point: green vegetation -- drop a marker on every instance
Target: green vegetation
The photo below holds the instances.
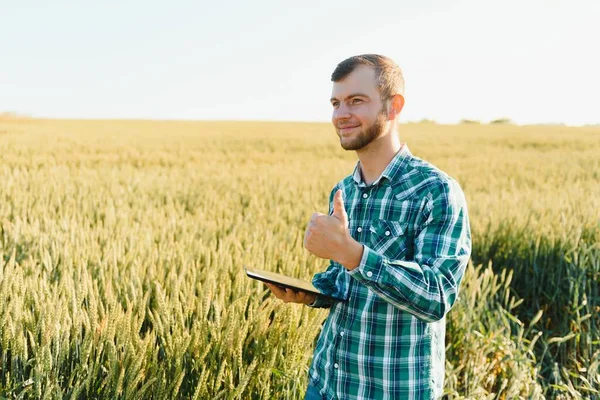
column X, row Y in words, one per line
column 122, row 246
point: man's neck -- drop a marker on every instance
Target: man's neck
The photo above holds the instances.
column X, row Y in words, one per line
column 377, row 155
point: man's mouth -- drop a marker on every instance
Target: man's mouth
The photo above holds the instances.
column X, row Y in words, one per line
column 347, row 128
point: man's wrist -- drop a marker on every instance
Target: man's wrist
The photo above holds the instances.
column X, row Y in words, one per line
column 352, row 255
column 310, row 302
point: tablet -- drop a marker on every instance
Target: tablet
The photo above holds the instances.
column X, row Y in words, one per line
column 282, row 280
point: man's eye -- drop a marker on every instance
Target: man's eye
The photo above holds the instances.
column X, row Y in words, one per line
column 335, row 104
column 356, row 101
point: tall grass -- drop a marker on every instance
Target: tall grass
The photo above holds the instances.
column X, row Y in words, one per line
column 122, row 245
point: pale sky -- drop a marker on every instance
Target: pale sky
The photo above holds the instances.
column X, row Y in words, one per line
column 534, row 61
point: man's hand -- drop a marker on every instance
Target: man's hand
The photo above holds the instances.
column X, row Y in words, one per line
column 291, row 296
column 328, row 236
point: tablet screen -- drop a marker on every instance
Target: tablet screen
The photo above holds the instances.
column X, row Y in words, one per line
column 282, row 280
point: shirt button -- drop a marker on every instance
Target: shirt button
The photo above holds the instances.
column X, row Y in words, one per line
column 365, row 195
column 342, row 334
column 336, row 366
column 369, row 274
column 387, row 233
column 359, row 229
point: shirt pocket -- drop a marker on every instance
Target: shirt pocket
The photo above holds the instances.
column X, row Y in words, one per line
column 388, row 238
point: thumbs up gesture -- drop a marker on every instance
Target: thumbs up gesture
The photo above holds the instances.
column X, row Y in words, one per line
column 327, row 236
column 339, row 210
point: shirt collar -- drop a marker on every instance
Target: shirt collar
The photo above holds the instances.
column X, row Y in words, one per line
column 391, row 172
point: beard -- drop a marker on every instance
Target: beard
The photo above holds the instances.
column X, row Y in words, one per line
column 365, row 137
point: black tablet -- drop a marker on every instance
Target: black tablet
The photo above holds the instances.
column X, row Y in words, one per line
column 282, row 280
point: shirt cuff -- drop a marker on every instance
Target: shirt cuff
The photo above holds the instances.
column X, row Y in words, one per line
column 369, row 268
column 320, row 302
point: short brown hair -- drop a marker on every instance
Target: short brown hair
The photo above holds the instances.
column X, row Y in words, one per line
column 387, row 72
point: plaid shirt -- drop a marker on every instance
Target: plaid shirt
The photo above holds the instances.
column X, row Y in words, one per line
column 384, row 338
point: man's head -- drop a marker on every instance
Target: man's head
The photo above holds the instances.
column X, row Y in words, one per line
column 367, row 97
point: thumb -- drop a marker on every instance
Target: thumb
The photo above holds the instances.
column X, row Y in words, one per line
column 338, row 207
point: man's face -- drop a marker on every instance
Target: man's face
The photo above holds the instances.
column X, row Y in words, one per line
column 359, row 115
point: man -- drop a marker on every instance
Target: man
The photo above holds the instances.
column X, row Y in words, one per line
column 398, row 239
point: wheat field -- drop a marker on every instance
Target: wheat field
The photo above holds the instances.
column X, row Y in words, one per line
column 122, row 245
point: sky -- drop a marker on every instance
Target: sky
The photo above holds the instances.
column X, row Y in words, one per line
column 533, row 61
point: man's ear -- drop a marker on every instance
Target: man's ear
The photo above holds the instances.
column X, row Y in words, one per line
column 396, row 105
